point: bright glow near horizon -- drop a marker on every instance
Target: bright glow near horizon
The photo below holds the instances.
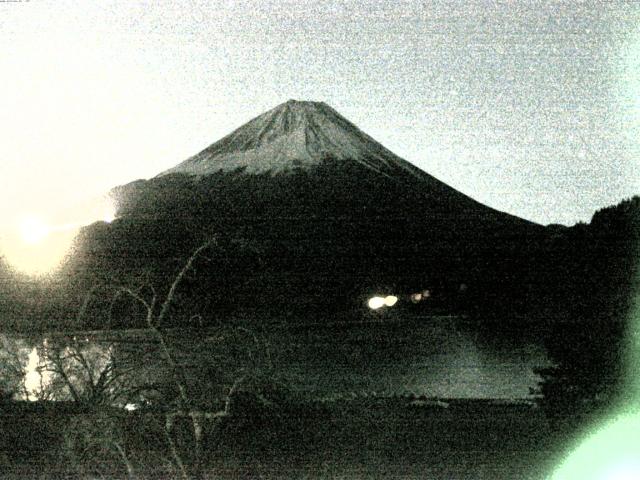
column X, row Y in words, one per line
column 109, row 214
column 37, row 247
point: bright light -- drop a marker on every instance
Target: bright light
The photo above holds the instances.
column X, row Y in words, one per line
column 33, row 230
column 376, row 302
column 624, row 471
column 32, row 378
column 35, row 247
column 390, row 300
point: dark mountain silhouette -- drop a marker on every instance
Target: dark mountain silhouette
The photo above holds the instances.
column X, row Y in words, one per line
column 310, row 216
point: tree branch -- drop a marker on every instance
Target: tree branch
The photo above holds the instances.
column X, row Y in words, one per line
column 176, row 282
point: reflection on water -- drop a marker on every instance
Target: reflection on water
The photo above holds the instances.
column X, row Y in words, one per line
column 36, row 379
column 432, row 357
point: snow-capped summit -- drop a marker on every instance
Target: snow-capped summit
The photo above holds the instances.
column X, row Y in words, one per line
column 293, row 135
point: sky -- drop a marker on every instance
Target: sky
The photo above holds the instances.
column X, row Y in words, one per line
column 530, row 107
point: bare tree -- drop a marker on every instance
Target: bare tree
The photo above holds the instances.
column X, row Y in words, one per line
column 90, row 373
column 187, row 406
column 204, row 382
column 13, row 367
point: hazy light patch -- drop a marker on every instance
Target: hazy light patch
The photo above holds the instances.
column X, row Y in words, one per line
column 612, row 450
column 37, row 254
column 611, row 453
column 33, row 376
column 109, row 213
column 33, row 229
column 102, row 209
column 625, row 471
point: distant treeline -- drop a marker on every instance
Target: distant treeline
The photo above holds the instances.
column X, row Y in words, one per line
column 594, row 287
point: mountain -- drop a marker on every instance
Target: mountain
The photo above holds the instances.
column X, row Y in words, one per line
column 302, row 136
column 295, row 145
column 310, row 217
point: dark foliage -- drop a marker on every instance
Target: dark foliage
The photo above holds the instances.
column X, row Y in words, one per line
column 595, row 281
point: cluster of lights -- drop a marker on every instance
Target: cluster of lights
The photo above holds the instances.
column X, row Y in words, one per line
column 378, row 302
column 420, row 296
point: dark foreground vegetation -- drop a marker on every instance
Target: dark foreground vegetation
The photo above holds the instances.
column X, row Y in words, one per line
column 595, row 287
column 360, row 438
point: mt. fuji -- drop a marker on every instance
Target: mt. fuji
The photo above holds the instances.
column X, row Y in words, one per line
column 323, row 212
